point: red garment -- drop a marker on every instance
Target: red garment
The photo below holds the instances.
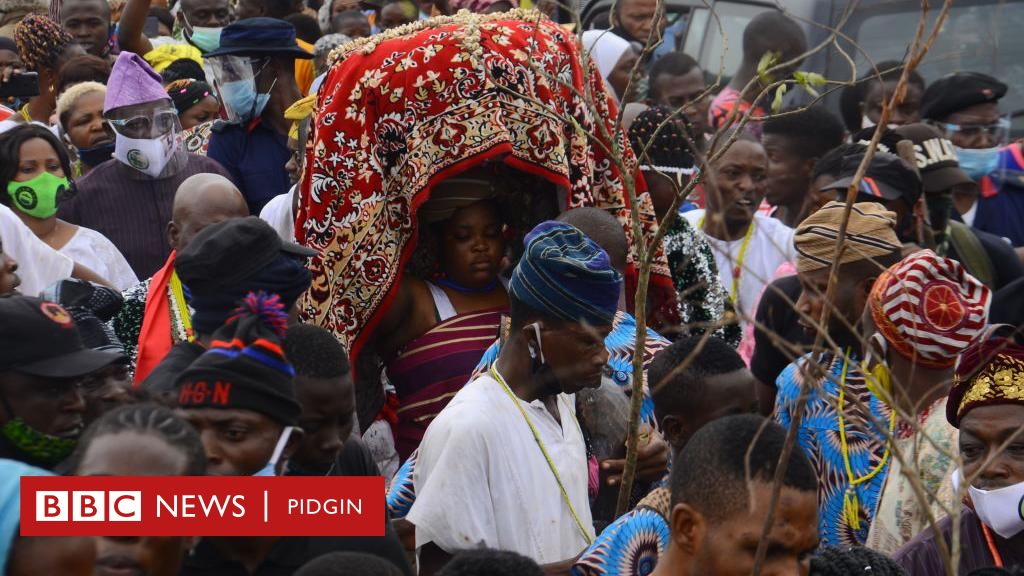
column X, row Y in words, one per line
column 400, row 112
column 725, row 102
column 155, row 338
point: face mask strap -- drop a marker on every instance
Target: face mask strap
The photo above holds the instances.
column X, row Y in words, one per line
column 540, row 346
column 282, row 441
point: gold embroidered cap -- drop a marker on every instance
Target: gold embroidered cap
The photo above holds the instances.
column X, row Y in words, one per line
column 990, row 372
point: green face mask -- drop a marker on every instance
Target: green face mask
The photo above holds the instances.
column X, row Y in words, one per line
column 38, row 197
column 42, row 448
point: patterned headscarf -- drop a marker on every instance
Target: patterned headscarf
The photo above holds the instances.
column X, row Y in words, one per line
column 870, row 233
column 40, row 41
column 929, row 308
column 403, row 110
column 663, row 150
column 990, row 372
column 186, row 93
column 92, row 306
column 566, row 275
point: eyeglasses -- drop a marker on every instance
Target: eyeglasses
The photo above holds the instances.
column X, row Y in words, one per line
column 997, row 130
column 146, row 125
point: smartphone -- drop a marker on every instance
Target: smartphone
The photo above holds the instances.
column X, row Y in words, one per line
column 152, row 27
column 23, row 85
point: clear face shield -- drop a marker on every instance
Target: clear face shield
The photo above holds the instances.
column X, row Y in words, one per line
column 145, row 138
column 236, row 79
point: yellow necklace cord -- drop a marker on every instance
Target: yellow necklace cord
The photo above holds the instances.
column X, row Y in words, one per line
column 851, row 504
column 551, row 465
column 737, row 269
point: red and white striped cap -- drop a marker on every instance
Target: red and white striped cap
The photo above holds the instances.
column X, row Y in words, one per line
column 929, row 308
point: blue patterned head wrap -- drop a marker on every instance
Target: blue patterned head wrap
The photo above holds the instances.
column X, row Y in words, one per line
column 566, row 275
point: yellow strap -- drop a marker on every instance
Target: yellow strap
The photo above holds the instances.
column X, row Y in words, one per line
column 179, row 301
column 850, row 499
column 551, row 465
column 737, row 270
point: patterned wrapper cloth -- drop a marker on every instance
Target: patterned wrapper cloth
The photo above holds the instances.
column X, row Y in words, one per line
column 402, row 111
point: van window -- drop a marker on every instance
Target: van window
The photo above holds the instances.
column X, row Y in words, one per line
column 706, row 41
column 983, row 37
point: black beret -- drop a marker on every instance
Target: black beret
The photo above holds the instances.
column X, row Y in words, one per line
column 957, row 91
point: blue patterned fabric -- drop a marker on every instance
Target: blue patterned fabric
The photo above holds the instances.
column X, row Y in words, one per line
column 565, row 274
column 401, row 493
column 620, row 343
column 630, row 546
column 819, row 437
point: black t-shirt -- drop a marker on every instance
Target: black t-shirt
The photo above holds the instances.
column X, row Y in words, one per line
column 777, row 315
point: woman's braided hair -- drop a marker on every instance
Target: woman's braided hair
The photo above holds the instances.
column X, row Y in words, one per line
column 40, row 41
column 153, row 419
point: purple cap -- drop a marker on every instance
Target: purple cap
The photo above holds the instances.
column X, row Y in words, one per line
column 132, row 81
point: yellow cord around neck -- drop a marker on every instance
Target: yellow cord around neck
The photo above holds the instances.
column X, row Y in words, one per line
column 544, row 451
column 737, row 270
column 851, row 502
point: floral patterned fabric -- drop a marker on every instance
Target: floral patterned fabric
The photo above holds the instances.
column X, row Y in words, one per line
column 701, row 299
column 402, row 111
column 928, row 454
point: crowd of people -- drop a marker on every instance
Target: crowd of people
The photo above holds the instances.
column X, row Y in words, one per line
column 411, row 234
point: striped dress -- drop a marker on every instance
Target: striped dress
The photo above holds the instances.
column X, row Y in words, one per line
column 433, row 367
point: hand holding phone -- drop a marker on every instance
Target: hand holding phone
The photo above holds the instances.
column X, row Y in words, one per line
column 18, row 85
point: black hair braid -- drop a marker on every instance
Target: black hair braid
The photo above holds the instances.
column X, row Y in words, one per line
column 148, row 418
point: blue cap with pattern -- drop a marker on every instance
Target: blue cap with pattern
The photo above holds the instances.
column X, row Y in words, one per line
column 566, row 275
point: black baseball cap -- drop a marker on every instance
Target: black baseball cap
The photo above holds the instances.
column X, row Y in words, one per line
column 936, row 158
column 230, row 251
column 888, row 177
column 39, row 338
column 954, row 92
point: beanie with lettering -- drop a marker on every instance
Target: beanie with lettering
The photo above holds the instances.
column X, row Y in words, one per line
column 245, row 368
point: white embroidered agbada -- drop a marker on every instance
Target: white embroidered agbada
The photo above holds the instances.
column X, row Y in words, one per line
column 481, row 480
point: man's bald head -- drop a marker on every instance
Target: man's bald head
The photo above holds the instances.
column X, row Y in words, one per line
column 202, row 200
column 604, row 229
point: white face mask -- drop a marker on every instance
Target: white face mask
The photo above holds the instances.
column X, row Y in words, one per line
column 866, row 122
column 271, row 468
column 1002, row 510
column 149, row 156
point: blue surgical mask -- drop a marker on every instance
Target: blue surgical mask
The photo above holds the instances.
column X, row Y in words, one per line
column 270, row 469
column 241, row 99
column 978, row 162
